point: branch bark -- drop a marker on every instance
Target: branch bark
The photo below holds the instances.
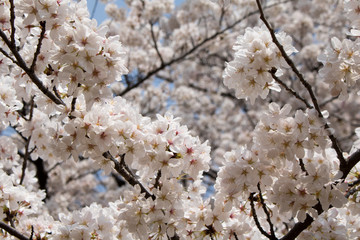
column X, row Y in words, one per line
column 308, row 87
column 30, row 72
column 12, row 231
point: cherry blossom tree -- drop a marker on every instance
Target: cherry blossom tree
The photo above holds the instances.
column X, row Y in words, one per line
column 223, row 119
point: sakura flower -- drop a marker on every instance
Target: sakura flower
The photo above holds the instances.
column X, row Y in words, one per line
column 255, row 56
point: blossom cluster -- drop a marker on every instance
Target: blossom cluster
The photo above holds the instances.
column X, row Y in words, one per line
column 283, row 175
column 18, row 203
column 284, row 162
column 341, row 66
column 341, row 59
column 73, row 55
column 351, row 8
column 256, row 55
column 9, row 103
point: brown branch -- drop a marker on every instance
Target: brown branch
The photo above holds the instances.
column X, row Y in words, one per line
column 302, row 166
column 352, row 160
column 236, row 237
column 38, row 48
column 26, row 157
column 127, row 176
column 195, row 47
column 308, row 87
column 253, row 211
column 155, row 43
column 8, row 56
column 157, row 180
column 12, row 231
column 291, row 91
column 268, row 218
column 301, row 226
column 298, row 228
column 12, row 23
column 34, row 78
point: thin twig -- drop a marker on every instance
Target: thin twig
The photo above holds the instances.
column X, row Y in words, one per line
column 291, row 91
column 38, row 48
column 356, row 182
column 32, row 232
column 236, row 237
column 352, row 188
column 302, row 166
column 26, row 157
column 8, row 56
column 157, row 180
column 73, row 178
column 12, row 231
column 328, row 101
column 127, row 176
column 195, row 47
column 268, row 218
column 308, row 87
column 53, row 167
column 222, row 14
column 253, row 211
column 12, row 23
column 34, row 78
column 155, row 43
column 32, row 105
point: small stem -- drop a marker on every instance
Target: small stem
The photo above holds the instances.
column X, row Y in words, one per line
column 38, row 48
column 26, row 157
column 268, row 218
column 155, row 43
column 8, row 56
column 127, row 176
column 291, row 91
column 302, row 166
column 253, row 211
column 157, row 180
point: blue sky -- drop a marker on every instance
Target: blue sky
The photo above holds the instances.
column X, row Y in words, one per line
column 100, row 15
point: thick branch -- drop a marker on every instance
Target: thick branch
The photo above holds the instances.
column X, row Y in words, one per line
column 41, row 175
column 12, row 231
column 352, row 160
column 12, row 23
column 298, row 228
